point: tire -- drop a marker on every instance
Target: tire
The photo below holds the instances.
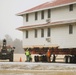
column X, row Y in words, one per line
column 66, row 59
column 11, row 58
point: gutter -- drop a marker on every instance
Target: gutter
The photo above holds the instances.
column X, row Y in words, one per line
column 46, row 25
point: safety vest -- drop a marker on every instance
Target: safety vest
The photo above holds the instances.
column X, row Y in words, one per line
column 48, row 54
column 27, row 53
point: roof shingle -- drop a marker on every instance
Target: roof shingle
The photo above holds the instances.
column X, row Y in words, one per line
column 47, row 24
column 48, row 5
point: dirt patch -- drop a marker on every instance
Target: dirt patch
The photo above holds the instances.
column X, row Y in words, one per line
column 37, row 72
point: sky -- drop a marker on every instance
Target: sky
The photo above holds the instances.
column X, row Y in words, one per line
column 9, row 21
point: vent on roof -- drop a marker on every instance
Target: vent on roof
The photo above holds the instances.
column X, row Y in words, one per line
column 48, row 20
column 48, row 39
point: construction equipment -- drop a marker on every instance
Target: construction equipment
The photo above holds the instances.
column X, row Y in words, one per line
column 69, row 54
column 6, row 52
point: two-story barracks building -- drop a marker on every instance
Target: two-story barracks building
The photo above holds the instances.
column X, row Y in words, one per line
column 50, row 24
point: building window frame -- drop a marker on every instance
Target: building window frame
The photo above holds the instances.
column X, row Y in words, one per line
column 36, row 15
column 26, row 17
column 36, row 33
column 42, row 32
column 70, row 29
column 49, row 13
column 48, row 32
column 71, row 7
column 42, row 14
column 26, row 33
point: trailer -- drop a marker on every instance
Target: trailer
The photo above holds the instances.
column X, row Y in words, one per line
column 70, row 53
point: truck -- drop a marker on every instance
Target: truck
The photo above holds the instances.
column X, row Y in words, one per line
column 6, row 52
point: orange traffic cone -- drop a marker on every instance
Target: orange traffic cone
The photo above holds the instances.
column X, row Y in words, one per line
column 20, row 59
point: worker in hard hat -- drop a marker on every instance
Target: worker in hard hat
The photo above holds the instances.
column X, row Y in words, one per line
column 27, row 53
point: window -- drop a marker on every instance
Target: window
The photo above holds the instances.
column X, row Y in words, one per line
column 36, row 15
column 71, row 7
column 42, row 14
column 42, row 32
column 35, row 33
column 26, row 17
column 48, row 32
column 49, row 11
column 26, row 34
column 70, row 29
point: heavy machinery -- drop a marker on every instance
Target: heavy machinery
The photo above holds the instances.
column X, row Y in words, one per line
column 6, row 52
column 69, row 53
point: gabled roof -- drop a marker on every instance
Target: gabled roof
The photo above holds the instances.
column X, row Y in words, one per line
column 47, row 5
column 46, row 24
